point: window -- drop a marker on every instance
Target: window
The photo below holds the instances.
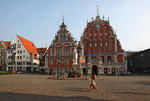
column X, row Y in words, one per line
column 90, row 44
column 24, row 51
column 27, row 57
column 58, row 51
column 109, row 59
column 19, row 68
column 19, row 63
column 64, row 38
column 58, row 61
column 66, row 50
column 105, row 33
column 100, row 34
column 66, row 61
column 106, row 43
column 95, row 44
column 20, row 57
column 95, row 34
column 102, row 59
column 51, row 61
column 61, row 38
column 90, row 34
column 19, row 45
column 20, row 52
column 17, row 57
column 100, row 43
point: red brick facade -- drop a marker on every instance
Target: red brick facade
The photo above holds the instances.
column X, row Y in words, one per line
column 60, row 54
column 101, row 46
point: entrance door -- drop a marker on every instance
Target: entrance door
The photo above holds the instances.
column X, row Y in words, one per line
column 95, row 69
column 105, row 70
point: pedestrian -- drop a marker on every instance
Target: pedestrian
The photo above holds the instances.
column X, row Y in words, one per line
column 93, row 82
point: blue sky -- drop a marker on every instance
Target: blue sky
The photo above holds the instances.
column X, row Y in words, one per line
column 39, row 20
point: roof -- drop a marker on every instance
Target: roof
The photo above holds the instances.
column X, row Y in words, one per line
column 6, row 43
column 41, row 50
column 28, row 45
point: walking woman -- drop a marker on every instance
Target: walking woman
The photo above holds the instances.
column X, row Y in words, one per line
column 93, row 82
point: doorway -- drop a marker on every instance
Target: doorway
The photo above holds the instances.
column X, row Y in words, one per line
column 95, row 69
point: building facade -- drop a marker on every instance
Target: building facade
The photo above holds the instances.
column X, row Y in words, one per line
column 3, row 54
column 61, row 56
column 139, row 62
column 102, row 50
column 41, row 53
column 11, row 52
column 22, row 56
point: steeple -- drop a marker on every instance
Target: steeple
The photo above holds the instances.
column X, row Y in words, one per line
column 63, row 26
column 63, row 18
column 97, row 11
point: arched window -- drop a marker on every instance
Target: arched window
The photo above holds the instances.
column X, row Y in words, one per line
column 109, row 59
column 102, row 58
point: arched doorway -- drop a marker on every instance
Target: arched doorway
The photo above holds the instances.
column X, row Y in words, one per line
column 95, row 69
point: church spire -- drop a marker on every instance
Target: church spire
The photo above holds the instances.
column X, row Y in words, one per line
column 63, row 18
column 97, row 11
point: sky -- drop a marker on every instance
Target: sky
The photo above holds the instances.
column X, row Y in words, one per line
column 39, row 20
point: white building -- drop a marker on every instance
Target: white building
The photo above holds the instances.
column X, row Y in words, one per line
column 24, row 57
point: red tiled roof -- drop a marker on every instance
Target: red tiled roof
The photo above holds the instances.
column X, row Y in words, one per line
column 6, row 43
column 41, row 50
column 28, row 45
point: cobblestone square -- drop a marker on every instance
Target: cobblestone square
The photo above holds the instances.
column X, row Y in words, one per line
column 22, row 87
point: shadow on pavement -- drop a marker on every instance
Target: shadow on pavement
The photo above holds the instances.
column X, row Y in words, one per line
column 76, row 89
column 143, row 83
column 134, row 93
column 9, row 96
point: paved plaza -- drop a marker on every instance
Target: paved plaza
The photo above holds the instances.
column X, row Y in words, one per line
column 20, row 87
